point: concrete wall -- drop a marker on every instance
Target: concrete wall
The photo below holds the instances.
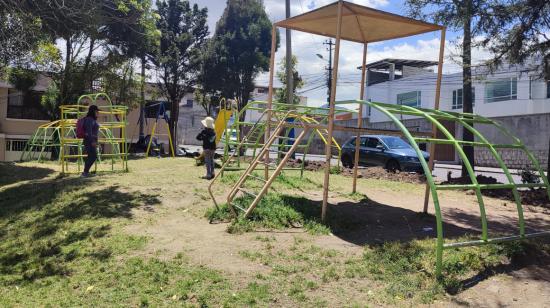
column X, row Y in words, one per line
column 189, row 122
column 532, row 130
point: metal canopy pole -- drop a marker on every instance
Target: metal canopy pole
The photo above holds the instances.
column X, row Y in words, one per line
column 289, row 71
column 270, row 95
column 359, row 118
column 436, row 107
column 328, row 146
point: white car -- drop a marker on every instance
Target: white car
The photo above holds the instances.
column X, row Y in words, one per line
column 232, row 135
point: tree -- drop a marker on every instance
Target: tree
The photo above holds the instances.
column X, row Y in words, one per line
column 462, row 15
column 242, row 48
column 183, row 35
column 15, row 47
column 519, row 31
column 205, row 93
column 94, row 32
column 281, row 95
column 121, row 83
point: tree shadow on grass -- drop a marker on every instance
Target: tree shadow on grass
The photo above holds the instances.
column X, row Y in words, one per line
column 367, row 222
column 45, row 225
column 12, row 173
column 373, row 224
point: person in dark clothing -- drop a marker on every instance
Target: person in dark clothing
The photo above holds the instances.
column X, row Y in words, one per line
column 91, row 127
column 208, row 138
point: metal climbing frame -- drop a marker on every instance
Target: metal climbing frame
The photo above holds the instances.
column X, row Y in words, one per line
column 112, row 119
column 254, row 142
column 43, row 142
column 392, row 111
column 467, row 120
column 260, row 160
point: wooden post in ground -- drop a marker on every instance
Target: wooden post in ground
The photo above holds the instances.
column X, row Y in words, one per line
column 328, row 146
column 436, row 107
column 270, row 96
column 359, row 118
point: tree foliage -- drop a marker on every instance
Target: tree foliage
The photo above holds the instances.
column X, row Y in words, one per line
column 98, row 35
column 241, row 48
column 465, row 16
column 519, row 32
column 183, row 32
column 281, row 75
column 15, row 47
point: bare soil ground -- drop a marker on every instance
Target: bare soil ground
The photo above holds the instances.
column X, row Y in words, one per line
column 389, row 213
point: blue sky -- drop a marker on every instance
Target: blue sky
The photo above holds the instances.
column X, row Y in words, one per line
column 305, row 46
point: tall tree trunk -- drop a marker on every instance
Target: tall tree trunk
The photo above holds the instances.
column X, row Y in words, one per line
column 174, row 115
column 467, row 82
column 142, row 100
column 88, row 57
column 64, row 84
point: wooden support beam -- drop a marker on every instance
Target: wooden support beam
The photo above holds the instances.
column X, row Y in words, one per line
column 436, row 107
column 328, row 147
column 270, row 94
column 359, row 118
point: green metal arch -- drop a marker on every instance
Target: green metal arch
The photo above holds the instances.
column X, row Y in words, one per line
column 315, row 116
column 466, row 120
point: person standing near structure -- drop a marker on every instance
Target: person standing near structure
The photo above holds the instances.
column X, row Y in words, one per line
column 90, row 127
column 208, row 138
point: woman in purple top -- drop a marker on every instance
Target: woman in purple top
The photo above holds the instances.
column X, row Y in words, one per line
column 91, row 128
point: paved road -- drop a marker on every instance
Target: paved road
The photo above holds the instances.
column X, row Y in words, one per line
column 440, row 170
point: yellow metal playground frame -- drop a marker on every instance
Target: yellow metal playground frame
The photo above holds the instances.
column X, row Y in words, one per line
column 116, row 120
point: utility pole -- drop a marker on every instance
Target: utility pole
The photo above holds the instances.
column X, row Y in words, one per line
column 289, row 73
column 329, row 69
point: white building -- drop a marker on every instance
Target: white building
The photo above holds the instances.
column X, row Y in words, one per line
column 514, row 95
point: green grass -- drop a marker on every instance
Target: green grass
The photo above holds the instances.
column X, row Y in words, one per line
column 391, row 273
column 63, row 242
column 275, row 211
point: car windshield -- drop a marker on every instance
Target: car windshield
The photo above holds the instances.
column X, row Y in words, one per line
column 396, row 143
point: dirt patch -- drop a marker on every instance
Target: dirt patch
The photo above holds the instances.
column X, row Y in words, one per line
column 524, row 283
column 379, row 173
column 376, row 173
column 537, row 197
column 387, row 213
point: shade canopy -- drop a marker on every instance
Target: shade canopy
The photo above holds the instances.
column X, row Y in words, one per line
column 359, row 23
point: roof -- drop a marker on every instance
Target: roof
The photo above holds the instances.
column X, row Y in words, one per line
column 399, row 63
column 359, row 23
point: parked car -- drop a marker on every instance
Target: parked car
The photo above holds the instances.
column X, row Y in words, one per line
column 232, row 135
column 390, row 152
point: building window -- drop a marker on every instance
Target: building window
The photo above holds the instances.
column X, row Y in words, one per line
column 152, row 108
column 458, row 98
column 97, row 85
column 25, row 105
column 15, row 145
column 501, row 90
column 262, row 90
column 548, row 89
column 411, row 99
column 189, row 103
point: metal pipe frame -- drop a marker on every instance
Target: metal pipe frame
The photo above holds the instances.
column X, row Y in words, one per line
column 116, row 115
column 464, row 119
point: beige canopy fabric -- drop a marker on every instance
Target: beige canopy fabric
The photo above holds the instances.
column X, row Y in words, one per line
column 359, row 23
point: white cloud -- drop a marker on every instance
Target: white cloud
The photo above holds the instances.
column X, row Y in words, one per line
column 305, row 46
